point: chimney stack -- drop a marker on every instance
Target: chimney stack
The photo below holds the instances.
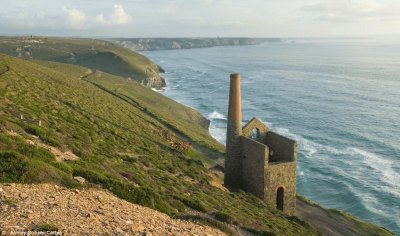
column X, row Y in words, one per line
column 233, row 162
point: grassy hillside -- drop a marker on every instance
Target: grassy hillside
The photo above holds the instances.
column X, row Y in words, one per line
column 91, row 53
column 126, row 138
column 122, row 146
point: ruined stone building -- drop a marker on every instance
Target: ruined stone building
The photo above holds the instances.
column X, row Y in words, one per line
column 258, row 160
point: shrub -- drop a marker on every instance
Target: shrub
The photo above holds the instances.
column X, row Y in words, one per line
column 223, row 216
column 13, row 167
column 195, row 204
column 45, row 135
column 47, row 227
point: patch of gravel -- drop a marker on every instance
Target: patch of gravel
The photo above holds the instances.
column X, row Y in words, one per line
column 85, row 212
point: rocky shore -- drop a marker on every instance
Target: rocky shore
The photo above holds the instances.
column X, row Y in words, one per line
column 63, row 211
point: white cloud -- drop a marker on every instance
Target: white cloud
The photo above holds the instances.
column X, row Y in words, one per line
column 174, row 18
column 76, row 18
column 343, row 10
column 118, row 17
column 208, row 2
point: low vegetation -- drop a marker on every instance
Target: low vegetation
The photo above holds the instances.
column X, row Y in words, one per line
column 91, row 53
column 125, row 144
column 143, row 147
column 352, row 223
column 47, row 227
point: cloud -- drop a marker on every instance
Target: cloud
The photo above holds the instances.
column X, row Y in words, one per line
column 342, row 10
column 208, row 2
column 118, row 17
column 75, row 18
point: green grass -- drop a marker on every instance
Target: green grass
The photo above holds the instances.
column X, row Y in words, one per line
column 91, row 53
column 357, row 226
column 128, row 142
column 9, row 202
column 130, row 149
column 223, row 216
column 182, row 120
column 47, row 227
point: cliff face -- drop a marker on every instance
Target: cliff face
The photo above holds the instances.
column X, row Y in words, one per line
column 90, row 53
column 143, row 44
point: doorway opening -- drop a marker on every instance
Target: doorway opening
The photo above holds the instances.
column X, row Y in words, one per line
column 279, row 198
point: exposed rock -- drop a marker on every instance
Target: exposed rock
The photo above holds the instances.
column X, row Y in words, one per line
column 36, row 141
column 80, row 180
column 160, row 69
column 75, row 212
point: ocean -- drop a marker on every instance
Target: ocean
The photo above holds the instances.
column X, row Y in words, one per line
column 340, row 99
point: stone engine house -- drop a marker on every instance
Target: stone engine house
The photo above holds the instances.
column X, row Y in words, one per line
column 258, row 160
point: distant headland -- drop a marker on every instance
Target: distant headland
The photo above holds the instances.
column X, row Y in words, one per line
column 152, row 44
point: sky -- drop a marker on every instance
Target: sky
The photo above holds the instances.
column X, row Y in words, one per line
column 201, row 18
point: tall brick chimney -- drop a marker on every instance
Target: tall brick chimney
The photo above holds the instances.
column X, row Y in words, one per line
column 233, row 162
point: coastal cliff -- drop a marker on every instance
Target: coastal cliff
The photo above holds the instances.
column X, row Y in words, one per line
column 91, row 53
column 80, row 128
column 151, row 44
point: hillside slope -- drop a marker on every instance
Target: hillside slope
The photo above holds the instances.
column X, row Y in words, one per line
column 35, row 207
column 334, row 222
column 91, row 53
column 59, row 121
column 120, row 147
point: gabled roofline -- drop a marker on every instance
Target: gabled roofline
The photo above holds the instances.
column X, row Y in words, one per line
column 255, row 121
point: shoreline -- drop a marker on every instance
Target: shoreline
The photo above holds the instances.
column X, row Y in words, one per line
column 341, row 213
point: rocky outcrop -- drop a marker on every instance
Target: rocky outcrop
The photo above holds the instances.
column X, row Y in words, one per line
column 153, row 79
column 47, row 207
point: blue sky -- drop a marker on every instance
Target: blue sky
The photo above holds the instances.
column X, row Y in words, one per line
column 201, row 18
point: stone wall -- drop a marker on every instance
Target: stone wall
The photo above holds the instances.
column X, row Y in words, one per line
column 259, row 162
column 281, row 174
column 280, row 147
column 255, row 124
column 254, row 159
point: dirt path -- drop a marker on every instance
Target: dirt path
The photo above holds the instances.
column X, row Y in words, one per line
column 320, row 220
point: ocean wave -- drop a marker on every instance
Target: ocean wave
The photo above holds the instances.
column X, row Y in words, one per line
column 309, row 146
column 218, row 133
column 380, row 164
column 215, row 115
column 158, row 90
column 362, row 160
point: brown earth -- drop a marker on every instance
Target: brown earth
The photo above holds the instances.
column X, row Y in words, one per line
column 85, row 212
column 332, row 222
column 320, row 220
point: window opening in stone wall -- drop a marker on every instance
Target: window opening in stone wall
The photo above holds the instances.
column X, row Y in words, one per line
column 255, row 133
